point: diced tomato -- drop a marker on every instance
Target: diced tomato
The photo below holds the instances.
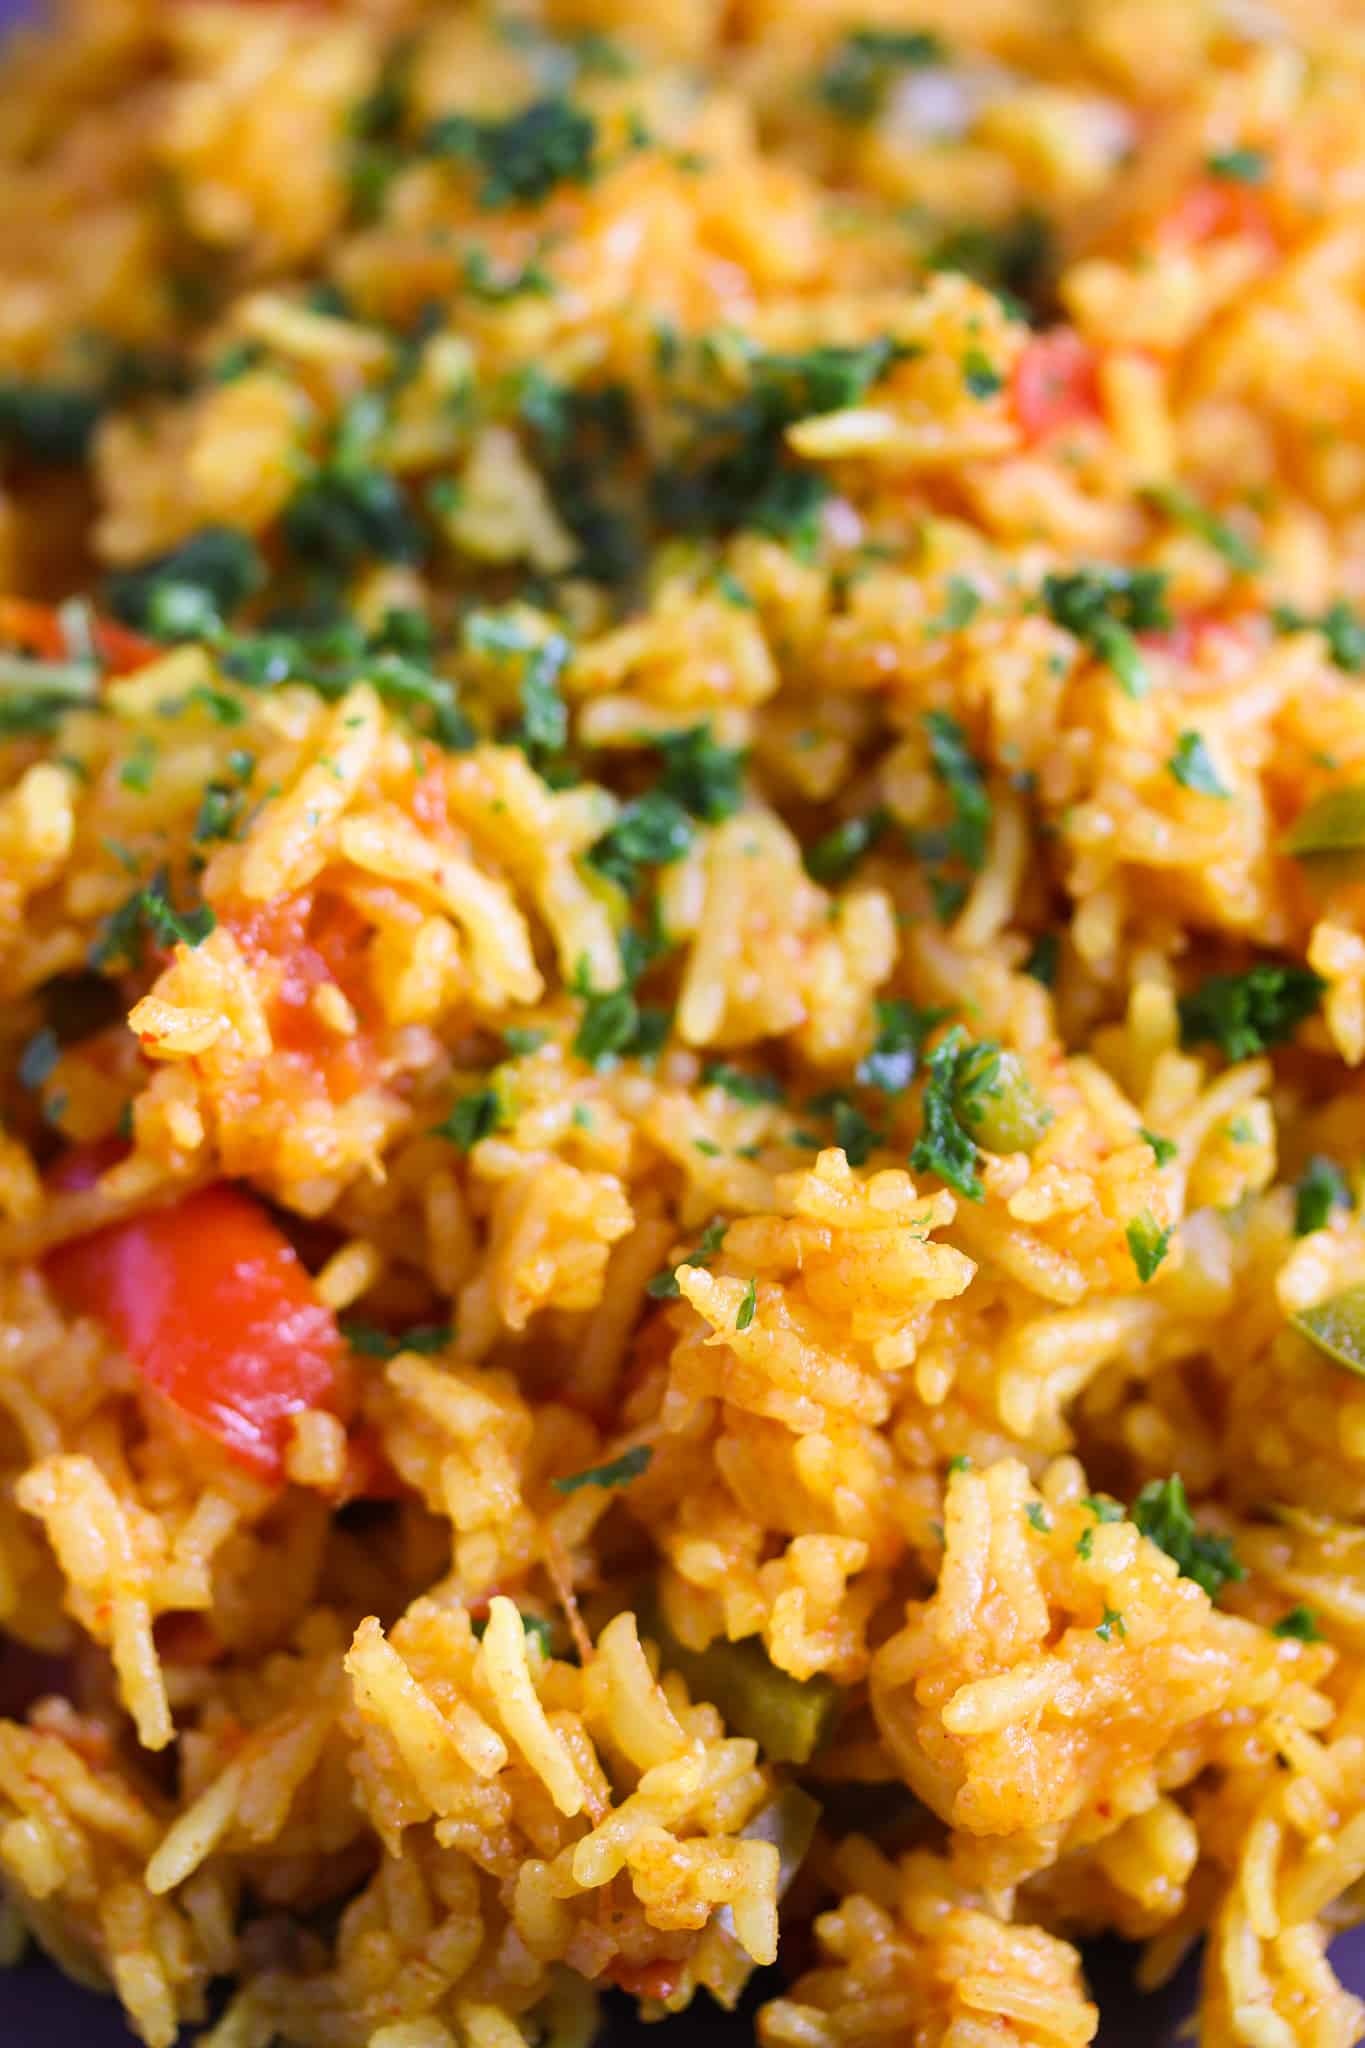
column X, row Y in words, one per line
column 645, row 1980
column 300, row 942
column 37, row 628
column 1055, row 384
column 1215, row 208
column 214, row 1307
column 369, row 1475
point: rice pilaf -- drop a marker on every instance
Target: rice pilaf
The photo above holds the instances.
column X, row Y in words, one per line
column 682, row 797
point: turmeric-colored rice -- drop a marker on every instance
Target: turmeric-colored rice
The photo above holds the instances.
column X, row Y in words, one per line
column 682, row 931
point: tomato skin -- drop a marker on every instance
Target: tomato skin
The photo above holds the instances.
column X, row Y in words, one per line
column 215, row 1309
column 37, row 626
column 1055, row 384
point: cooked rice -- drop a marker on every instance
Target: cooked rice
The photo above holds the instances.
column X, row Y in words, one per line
column 762, row 584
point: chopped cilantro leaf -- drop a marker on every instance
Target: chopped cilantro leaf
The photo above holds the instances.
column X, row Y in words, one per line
column 523, row 156
column 1148, row 1243
column 1246, row 1014
column 617, row 1472
column 1320, row 1188
column 1162, row 1512
column 1193, row 767
column 1104, row 607
column 748, row 1307
column 1111, row 1625
column 1039, row 1517
column 1163, row 1151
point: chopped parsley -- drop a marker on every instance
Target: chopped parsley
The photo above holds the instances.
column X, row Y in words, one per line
column 373, row 1342
column 149, row 911
column 704, row 777
column 191, row 591
column 1148, row 1244
column 495, row 288
column 853, row 1134
column 740, row 1086
column 543, row 727
column 1041, row 964
column 1184, row 509
column 1246, row 1014
column 1320, row 1188
column 348, row 510
column 893, row 1059
column 980, row 375
column 664, row 1286
column 944, row 1146
column 1340, row 625
column 1112, row 1625
column 613, row 1025
column 834, row 856
column 1014, row 260
column 34, row 694
column 395, row 658
column 1300, row 1624
column 617, row 1472
column 1163, row 1150
column 1193, row 767
column 732, row 468
column 1039, row 1517
column 1104, row 607
column 1162, row 1512
column 856, row 80
column 49, row 423
column 961, row 603
column 475, row 1116
column 653, row 831
column 140, row 765
column 748, row 1306
column 963, row 842
column 523, row 156
column 1239, row 166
